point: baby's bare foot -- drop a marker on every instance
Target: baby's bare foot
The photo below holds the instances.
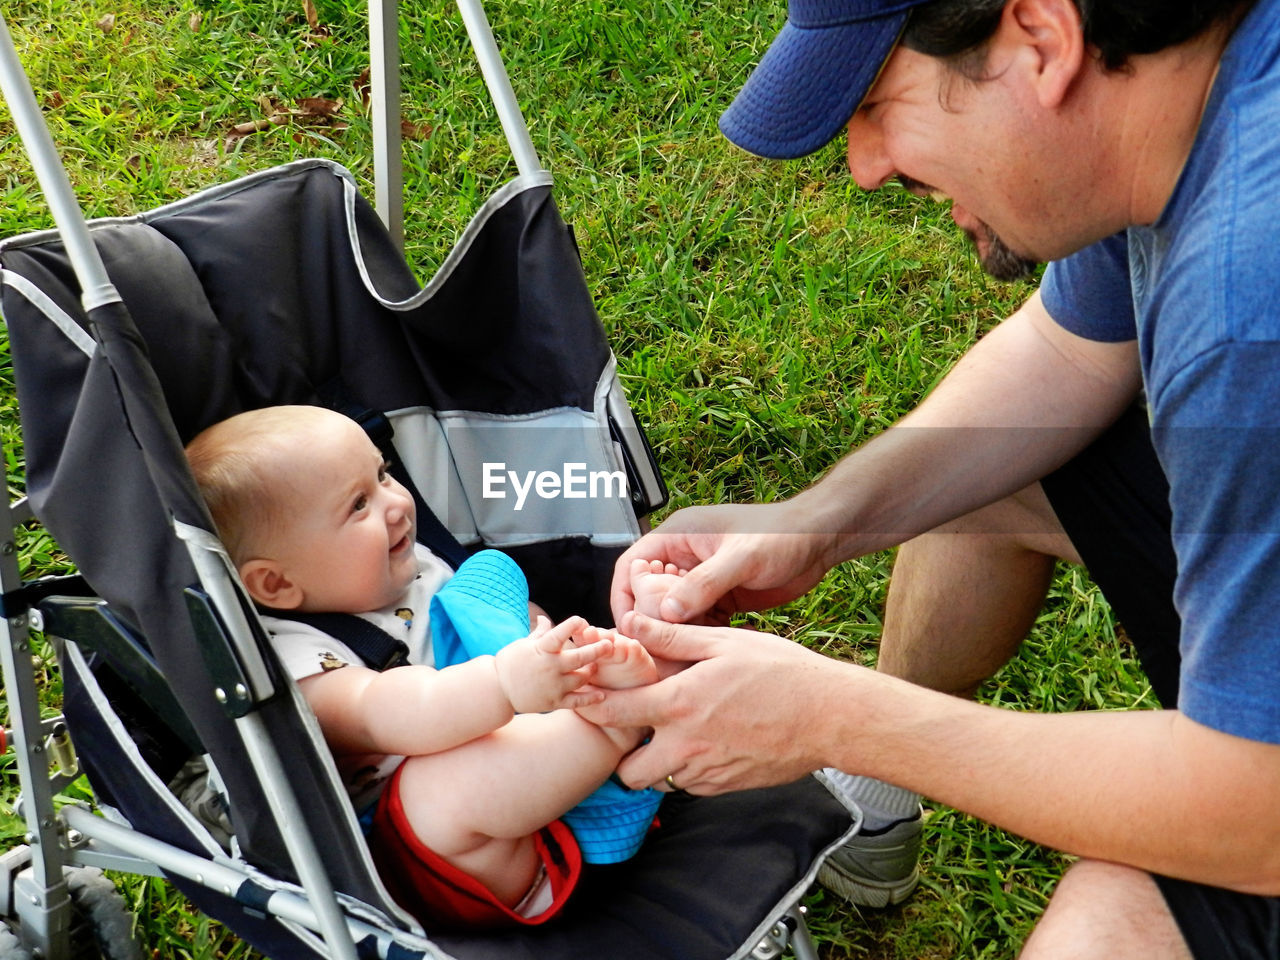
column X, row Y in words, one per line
column 629, row 665
column 651, row 580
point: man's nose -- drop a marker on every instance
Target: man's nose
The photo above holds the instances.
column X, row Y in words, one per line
column 868, row 161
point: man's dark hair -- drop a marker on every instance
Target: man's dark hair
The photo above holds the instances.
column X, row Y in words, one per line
column 958, row 30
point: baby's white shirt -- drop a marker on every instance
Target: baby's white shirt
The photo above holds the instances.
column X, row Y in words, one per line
column 305, row 650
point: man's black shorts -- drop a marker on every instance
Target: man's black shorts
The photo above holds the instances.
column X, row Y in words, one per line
column 1113, row 501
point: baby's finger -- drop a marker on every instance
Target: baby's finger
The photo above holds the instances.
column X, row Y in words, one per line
column 554, row 639
column 593, row 634
column 584, row 697
column 574, row 658
column 583, row 679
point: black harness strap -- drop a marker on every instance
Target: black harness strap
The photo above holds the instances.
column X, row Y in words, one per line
column 378, row 649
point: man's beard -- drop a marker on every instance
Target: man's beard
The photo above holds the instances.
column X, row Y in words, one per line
column 1000, row 261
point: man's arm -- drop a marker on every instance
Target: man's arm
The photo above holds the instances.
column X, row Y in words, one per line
column 1151, row 789
column 1021, row 402
column 1024, row 400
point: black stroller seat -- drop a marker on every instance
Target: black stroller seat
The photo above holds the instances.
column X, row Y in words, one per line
column 285, row 288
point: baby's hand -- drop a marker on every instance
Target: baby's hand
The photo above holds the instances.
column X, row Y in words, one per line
column 650, row 582
column 543, row 671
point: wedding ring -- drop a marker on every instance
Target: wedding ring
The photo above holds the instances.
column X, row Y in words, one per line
column 672, row 784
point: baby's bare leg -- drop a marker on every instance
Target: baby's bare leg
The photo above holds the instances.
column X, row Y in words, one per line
column 479, row 804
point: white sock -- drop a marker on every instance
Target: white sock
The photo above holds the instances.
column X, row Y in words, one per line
column 882, row 804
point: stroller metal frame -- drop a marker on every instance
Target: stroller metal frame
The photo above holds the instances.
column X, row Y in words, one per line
column 46, row 886
column 32, row 883
column 384, row 86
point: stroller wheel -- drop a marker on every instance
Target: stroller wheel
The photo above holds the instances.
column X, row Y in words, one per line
column 102, row 927
column 11, row 947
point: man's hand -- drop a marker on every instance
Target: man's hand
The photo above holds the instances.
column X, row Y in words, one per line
column 543, row 671
column 738, row 558
column 742, row 715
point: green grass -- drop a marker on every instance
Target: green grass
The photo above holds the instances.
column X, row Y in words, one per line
column 766, row 317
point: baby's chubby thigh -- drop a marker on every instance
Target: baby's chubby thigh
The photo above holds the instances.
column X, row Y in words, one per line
column 468, row 816
column 478, row 805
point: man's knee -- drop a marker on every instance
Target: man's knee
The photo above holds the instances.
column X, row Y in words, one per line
column 964, row 595
column 1022, row 521
column 1104, row 910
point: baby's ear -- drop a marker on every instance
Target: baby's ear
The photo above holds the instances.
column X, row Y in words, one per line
column 268, row 584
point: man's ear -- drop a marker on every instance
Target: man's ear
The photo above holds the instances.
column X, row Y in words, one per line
column 268, row 584
column 1052, row 37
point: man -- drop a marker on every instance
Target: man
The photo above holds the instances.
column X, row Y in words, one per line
column 1122, row 416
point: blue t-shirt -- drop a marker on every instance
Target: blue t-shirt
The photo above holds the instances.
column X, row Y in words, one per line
column 1200, row 290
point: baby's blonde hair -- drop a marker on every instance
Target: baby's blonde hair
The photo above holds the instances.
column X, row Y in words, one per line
column 243, row 466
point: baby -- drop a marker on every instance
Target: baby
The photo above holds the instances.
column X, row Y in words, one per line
column 465, row 770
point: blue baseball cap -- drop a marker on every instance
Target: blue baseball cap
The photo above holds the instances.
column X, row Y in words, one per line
column 814, row 75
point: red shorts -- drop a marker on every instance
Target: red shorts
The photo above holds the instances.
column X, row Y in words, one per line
column 441, row 895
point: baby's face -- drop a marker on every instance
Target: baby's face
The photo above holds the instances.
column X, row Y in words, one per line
column 349, row 530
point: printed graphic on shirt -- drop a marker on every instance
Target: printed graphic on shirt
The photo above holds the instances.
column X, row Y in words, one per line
column 331, row 661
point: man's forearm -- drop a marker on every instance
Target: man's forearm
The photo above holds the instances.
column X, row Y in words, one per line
column 1150, row 789
column 1022, row 402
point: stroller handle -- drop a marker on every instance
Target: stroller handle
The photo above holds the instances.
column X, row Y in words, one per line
column 495, row 77
column 384, row 50
column 96, row 289
column 388, row 163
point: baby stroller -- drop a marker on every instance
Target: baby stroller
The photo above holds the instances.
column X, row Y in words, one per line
column 130, row 335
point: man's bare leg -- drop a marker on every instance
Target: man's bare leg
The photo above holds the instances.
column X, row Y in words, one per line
column 1104, row 911
column 964, row 595
column 961, row 600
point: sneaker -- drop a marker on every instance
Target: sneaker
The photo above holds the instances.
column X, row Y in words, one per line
column 876, row 869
